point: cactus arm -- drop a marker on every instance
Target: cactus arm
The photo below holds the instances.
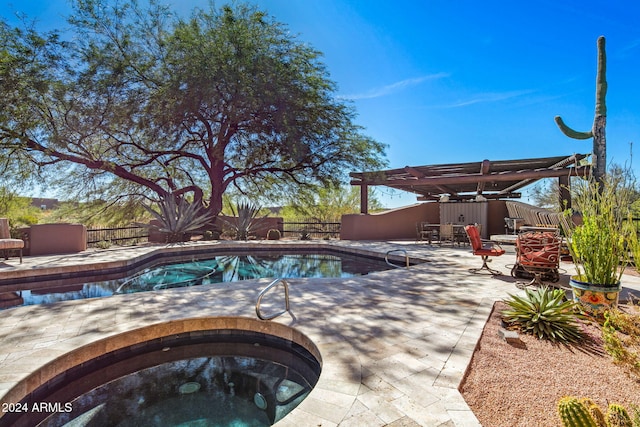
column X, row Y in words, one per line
column 570, row 132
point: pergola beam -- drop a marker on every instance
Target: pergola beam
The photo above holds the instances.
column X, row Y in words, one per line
column 364, row 199
column 485, row 168
column 581, row 171
column 490, row 196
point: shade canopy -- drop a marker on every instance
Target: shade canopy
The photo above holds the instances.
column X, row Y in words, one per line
column 487, row 179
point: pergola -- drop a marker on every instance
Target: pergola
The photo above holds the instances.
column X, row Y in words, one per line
column 500, row 179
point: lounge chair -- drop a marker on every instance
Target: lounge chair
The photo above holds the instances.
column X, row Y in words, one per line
column 6, row 242
column 483, row 248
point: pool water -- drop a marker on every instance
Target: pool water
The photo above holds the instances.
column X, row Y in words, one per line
column 222, row 268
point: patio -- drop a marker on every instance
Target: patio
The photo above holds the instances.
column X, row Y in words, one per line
column 394, row 344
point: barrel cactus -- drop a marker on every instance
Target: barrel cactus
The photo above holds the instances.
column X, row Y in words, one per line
column 573, row 413
column 595, row 411
column 617, row 416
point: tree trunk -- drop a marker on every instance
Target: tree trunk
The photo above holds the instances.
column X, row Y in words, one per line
column 216, row 177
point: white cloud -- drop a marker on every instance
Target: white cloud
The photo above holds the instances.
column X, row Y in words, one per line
column 488, row 97
column 394, row 87
column 629, row 49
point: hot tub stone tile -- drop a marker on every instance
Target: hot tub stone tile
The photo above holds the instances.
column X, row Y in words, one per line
column 379, row 386
column 360, row 415
column 425, row 416
column 341, row 400
column 463, row 418
column 323, row 410
column 300, row 418
column 347, row 387
column 380, row 406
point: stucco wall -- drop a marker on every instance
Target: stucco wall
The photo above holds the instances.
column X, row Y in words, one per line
column 48, row 239
column 392, row 224
column 401, row 223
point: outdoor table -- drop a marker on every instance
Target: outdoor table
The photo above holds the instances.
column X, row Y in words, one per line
column 509, row 239
column 536, row 228
column 432, row 230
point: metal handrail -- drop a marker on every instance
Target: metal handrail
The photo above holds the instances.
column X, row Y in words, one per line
column 406, row 258
column 286, row 300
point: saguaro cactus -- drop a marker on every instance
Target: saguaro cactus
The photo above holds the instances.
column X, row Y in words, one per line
column 597, row 132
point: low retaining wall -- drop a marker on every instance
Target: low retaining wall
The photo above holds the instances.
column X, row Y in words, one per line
column 392, row 224
column 52, row 239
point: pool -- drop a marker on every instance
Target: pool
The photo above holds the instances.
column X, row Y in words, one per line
column 220, row 377
column 228, row 267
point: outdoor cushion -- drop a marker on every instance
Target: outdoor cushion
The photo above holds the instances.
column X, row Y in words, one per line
column 11, row 244
column 489, row 251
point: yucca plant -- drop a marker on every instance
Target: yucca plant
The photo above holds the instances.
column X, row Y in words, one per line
column 177, row 217
column 544, row 313
column 247, row 219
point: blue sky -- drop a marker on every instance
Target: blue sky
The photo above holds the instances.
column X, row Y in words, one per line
column 453, row 81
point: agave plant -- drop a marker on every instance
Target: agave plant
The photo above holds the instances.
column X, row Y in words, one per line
column 544, row 313
column 247, row 219
column 178, row 217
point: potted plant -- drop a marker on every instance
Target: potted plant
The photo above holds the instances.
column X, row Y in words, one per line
column 599, row 242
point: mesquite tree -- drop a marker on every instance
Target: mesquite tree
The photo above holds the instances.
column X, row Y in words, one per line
column 144, row 102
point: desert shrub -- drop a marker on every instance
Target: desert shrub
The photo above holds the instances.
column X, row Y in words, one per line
column 103, row 244
column 273, row 234
column 621, row 335
column 305, row 235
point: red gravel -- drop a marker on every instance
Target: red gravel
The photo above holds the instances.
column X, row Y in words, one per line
column 519, row 385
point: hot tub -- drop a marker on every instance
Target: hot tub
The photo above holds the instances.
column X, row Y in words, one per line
column 246, row 376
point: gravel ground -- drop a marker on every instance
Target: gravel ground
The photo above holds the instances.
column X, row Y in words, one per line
column 519, row 385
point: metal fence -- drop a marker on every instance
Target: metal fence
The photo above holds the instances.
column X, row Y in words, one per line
column 134, row 235
column 307, row 230
column 117, row 235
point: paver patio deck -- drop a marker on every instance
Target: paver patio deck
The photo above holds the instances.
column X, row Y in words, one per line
column 394, row 344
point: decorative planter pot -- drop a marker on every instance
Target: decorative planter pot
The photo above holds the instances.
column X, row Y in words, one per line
column 594, row 299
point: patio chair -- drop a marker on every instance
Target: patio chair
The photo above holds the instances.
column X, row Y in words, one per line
column 484, row 249
column 512, row 225
column 425, row 231
column 446, row 234
column 6, row 242
column 537, row 257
